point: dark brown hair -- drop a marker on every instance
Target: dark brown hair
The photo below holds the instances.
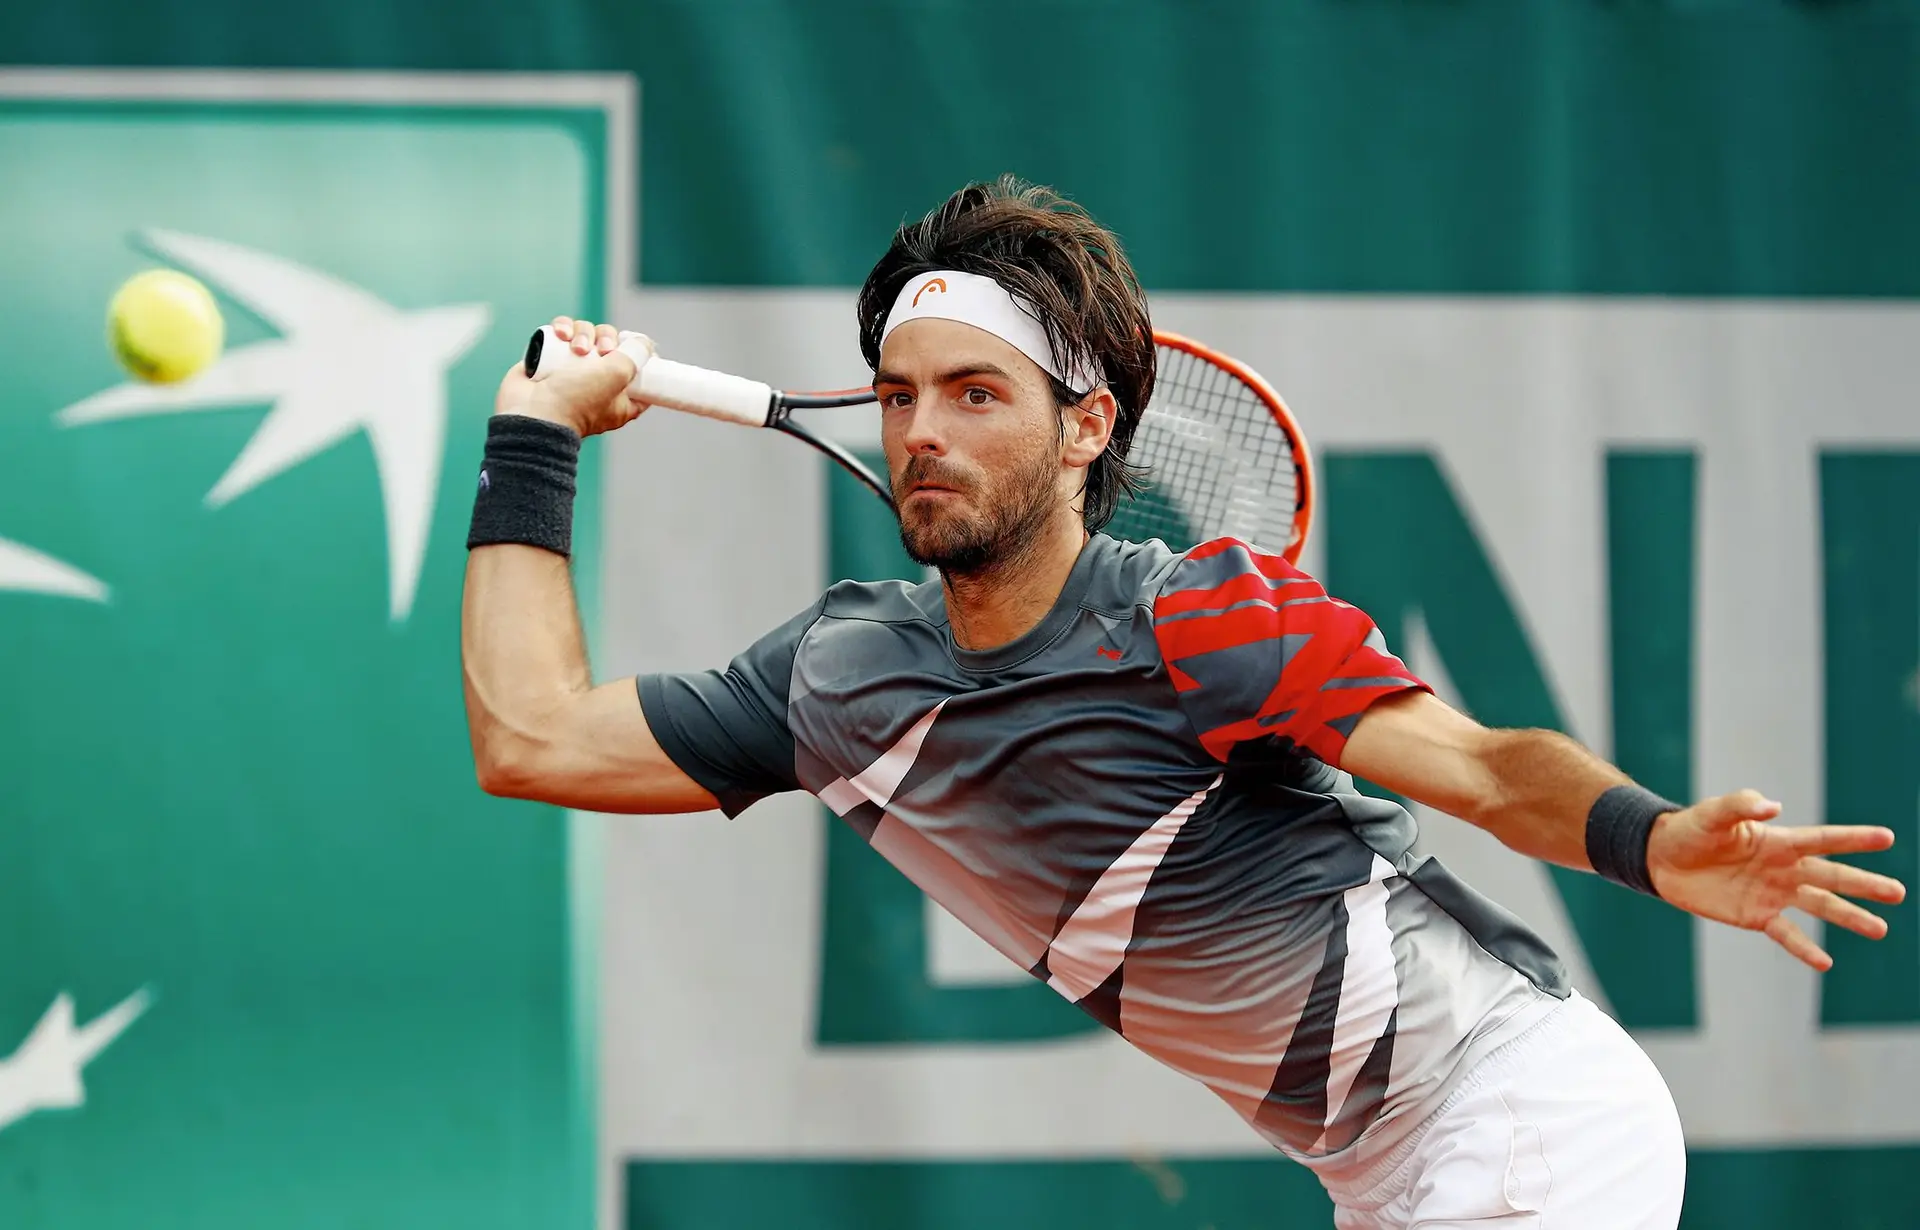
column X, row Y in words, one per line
column 1065, row 267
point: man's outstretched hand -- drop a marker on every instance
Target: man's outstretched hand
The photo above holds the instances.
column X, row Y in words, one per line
column 1721, row 859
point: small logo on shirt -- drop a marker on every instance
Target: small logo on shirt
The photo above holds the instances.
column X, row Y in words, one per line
column 1104, row 652
column 485, row 482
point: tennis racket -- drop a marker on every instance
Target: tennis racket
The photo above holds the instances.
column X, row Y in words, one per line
column 1223, row 454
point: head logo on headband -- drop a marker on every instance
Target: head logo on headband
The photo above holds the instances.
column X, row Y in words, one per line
column 972, row 299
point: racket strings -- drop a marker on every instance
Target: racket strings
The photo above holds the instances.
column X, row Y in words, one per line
column 1217, row 463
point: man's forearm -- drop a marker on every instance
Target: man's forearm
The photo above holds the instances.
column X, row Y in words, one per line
column 1541, row 785
column 523, row 654
column 1535, row 790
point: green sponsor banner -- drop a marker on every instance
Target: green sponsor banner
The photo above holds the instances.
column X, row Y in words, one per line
column 272, row 958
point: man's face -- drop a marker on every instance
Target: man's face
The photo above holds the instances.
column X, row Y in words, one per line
column 972, row 436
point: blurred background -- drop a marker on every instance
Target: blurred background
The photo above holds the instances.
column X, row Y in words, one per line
column 1600, row 317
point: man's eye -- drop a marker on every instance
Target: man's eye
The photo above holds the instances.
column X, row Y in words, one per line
column 897, row 401
column 977, row 396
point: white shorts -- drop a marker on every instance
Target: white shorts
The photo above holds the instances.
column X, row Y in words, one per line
column 1567, row 1127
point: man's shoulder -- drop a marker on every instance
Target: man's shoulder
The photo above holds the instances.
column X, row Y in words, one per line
column 1127, row 573
column 1146, row 571
column 852, row 608
column 1232, row 552
column 884, row 602
column 871, row 630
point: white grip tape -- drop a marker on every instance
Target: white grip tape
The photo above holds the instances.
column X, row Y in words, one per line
column 677, row 386
column 696, row 390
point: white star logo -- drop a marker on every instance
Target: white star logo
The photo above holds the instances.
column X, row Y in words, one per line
column 44, row 1073
column 347, row 362
column 34, row 572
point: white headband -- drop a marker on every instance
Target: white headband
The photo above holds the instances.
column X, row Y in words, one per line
column 948, row 294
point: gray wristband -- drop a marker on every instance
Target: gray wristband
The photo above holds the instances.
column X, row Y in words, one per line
column 1618, row 827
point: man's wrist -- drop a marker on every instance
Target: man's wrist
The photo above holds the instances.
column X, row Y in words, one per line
column 526, row 485
column 1659, row 845
column 1620, row 829
column 556, row 418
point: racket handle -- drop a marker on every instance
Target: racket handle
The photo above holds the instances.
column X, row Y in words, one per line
column 662, row 382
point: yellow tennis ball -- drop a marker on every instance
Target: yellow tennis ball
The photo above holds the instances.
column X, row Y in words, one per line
column 164, row 326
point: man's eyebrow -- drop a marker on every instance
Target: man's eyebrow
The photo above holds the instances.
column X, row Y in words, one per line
column 949, row 376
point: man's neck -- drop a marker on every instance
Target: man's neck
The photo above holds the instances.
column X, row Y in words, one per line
column 1003, row 602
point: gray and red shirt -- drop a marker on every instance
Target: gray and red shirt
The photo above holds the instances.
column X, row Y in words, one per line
column 1140, row 802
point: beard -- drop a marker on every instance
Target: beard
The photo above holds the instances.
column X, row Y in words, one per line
column 1007, row 516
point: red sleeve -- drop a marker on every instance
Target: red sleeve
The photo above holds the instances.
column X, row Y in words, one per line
column 1258, row 650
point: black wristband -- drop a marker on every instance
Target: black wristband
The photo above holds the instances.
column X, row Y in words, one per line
column 526, row 484
column 1618, row 826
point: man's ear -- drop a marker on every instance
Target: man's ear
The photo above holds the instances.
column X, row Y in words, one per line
column 1088, row 426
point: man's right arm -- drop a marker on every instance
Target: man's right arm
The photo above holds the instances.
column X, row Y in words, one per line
column 540, row 729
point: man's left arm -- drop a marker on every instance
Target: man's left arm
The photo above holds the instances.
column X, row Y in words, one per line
column 1544, row 795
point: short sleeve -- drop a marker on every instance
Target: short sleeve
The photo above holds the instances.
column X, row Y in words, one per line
column 1257, row 650
column 727, row 729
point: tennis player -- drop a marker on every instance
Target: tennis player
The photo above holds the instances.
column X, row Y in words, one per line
column 1130, row 769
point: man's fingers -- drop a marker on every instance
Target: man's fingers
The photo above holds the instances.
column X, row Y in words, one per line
column 1839, row 839
column 1841, row 913
column 1850, row 881
column 1782, row 931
